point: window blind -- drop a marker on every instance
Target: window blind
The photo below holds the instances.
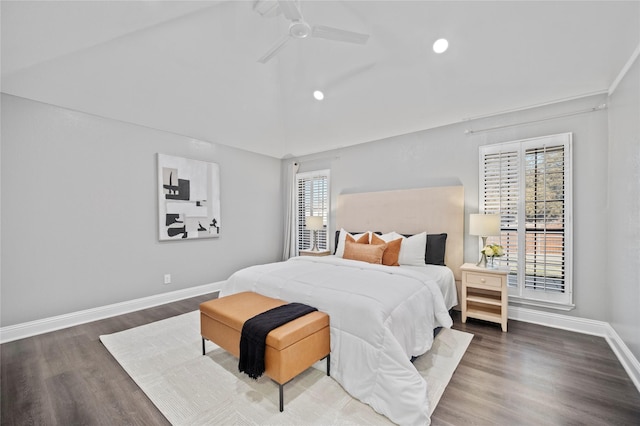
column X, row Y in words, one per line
column 500, row 192
column 312, row 200
column 544, row 219
column 527, row 184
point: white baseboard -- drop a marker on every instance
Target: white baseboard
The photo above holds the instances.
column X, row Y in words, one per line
column 45, row 325
column 627, row 359
column 584, row 326
column 564, row 322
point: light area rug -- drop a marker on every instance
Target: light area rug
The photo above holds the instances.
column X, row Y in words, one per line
column 165, row 359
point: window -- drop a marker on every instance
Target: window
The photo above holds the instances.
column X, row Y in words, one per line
column 528, row 183
column 312, row 200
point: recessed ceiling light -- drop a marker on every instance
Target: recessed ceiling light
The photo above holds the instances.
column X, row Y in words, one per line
column 440, row 45
column 318, row 95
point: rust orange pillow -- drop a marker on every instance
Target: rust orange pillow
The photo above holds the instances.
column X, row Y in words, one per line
column 391, row 253
column 364, row 239
column 364, row 252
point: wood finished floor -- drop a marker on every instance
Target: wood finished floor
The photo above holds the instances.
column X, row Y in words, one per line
column 531, row 375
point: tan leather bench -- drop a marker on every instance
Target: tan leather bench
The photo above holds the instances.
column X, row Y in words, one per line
column 290, row 349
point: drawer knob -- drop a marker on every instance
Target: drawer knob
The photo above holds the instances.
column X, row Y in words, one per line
column 482, row 280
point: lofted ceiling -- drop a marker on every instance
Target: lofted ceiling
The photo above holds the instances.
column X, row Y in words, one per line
column 191, row 67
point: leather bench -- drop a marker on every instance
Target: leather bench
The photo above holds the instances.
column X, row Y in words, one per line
column 290, row 349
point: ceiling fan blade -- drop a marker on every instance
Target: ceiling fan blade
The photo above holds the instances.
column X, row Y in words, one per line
column 274, row 49
column 266, row 8
column 336, row 34
column 290, row 10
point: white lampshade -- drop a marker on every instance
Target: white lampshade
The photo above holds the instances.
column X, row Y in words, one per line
column 314, row 223
column 484, row 225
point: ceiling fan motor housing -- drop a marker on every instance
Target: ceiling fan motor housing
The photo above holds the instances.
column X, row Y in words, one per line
column 299, row 29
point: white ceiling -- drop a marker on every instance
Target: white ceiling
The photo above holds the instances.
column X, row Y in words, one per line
column 191, row 67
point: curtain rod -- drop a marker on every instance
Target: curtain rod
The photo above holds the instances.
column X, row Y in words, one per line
column 552, row 117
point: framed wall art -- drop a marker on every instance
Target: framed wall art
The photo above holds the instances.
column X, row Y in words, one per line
column 188, row 198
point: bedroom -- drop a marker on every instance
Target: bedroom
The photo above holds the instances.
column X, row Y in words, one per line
column 92, row 242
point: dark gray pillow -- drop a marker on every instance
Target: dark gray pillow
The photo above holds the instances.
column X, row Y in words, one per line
column 436, row 245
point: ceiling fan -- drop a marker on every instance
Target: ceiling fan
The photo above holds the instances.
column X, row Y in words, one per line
column 299, row 28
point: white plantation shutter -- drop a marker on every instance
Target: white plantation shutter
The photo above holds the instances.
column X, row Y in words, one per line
column 500, row 191
column 312, row 200
column 528, row 184
column 544, row 209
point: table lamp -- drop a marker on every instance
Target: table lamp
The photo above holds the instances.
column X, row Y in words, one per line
column 484, row 225
column 315, row 224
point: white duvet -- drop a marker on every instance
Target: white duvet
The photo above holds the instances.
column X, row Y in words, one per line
column 380, row 317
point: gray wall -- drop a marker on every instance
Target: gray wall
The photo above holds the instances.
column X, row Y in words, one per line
column 624, row 209
column 79, row 212
column 448, row 156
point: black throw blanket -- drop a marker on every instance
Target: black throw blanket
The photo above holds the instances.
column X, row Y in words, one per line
column 254, row 335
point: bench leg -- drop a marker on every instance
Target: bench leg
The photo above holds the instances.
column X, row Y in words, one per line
column 203, row 346
column 281, row 386
column 329, row 365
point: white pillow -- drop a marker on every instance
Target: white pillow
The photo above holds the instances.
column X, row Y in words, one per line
column 343, row 236
column 412, row 250
column 390, row 236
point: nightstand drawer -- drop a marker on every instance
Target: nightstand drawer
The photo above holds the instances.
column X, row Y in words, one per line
column 484, row 280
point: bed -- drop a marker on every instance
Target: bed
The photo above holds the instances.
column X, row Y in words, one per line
column 381, row 316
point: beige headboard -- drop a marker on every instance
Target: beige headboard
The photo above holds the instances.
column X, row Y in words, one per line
column 409, row 211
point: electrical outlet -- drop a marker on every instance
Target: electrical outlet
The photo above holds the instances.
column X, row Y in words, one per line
column 167, row 278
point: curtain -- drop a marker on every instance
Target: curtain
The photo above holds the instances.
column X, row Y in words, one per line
column 289, row 218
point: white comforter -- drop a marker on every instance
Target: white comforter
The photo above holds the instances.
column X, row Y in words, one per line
column 380, row 317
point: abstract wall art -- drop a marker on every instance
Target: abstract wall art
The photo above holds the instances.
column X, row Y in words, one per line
column 188, row 198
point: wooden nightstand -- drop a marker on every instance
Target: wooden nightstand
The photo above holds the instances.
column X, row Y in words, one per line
column 314, row 253
column 484, row 294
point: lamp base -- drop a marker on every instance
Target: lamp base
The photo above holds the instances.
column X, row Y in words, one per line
column 482, row 263
column 315, row 241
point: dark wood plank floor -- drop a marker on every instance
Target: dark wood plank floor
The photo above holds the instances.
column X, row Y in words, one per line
column 531, row 375
column 535, row 375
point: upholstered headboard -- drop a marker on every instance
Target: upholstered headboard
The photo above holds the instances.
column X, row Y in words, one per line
column 409, row 211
